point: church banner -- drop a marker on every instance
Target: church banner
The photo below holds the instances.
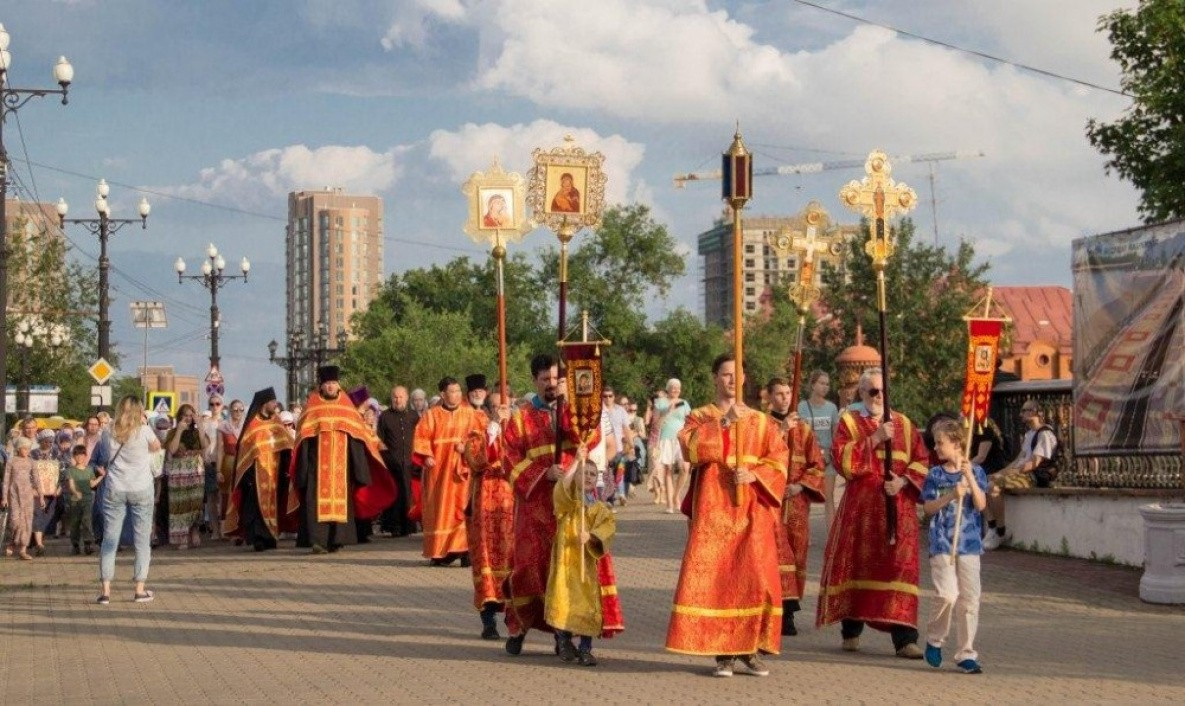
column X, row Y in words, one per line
column 584, row 387
column 1129, row 341
column 983, row 343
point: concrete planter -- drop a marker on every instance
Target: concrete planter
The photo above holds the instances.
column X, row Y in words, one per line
column 1164, row 553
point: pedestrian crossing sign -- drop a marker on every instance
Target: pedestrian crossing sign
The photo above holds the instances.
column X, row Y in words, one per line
column 161, row 403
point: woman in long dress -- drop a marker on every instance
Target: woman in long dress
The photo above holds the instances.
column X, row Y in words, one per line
column 19, row 498
column 186, row 479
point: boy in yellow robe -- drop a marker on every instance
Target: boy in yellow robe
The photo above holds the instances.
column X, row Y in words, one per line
column 581, row 603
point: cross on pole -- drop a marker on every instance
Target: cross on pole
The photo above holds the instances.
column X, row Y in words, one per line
column 803, row 243
column 878, row 198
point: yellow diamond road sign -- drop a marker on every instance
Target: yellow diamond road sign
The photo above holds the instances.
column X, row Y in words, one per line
column 101, row 371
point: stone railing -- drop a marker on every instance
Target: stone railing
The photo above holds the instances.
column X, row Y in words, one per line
column 1160, row 471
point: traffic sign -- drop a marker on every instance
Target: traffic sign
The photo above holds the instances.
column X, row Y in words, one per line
column 162, row 403
column 100, row 395
column 215, row 388
column 101, row 371
column 214, row 376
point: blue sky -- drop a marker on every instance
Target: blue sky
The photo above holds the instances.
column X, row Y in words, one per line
column 236, row 103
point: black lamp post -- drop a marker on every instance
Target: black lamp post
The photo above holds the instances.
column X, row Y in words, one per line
column 11, row 100
column 104, row 226
column 300, row 355
column 213, row 279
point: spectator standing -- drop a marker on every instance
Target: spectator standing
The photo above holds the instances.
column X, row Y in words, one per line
column 823, row 416
column 185, row 447
column 670, row 457
column 211, row 453
column 397, row 430
column 81, row 481
column 126, row 448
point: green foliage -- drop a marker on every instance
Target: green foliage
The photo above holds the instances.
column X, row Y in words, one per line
column 612, row 272
column 928, row 291
column 425, row 346
column 1147, row 145
column 54, row 294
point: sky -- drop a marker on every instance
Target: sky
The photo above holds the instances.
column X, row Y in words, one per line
column 216, row 110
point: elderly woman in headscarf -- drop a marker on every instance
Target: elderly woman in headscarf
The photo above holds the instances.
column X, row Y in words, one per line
column 47, row 479
column 20, row 497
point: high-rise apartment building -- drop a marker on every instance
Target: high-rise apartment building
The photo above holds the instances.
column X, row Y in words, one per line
column 762, row 266
column 334, row 267
column 31, row 227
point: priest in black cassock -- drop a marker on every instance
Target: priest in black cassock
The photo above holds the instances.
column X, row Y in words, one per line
column 260, row 503
column 337, row 468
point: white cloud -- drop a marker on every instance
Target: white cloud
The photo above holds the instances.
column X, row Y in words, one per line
column 413, row 20
column 262, row 178
column 472, row 148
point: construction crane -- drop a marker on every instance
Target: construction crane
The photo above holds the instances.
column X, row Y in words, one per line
column 816, row 167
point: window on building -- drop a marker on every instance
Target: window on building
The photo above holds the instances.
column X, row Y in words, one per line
column 750, row 264
column 750, row 291
column 750, row 277
column 750, row 249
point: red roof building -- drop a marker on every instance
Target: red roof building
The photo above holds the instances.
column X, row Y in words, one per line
column 1041, row 332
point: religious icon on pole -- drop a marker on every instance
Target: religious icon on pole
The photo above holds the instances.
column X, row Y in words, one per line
column 567, row 188
column 497, row 213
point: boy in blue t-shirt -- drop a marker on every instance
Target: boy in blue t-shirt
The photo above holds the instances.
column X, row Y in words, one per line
column 957, row 583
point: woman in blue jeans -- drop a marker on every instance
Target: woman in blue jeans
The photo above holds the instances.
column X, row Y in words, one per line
column 126, row 448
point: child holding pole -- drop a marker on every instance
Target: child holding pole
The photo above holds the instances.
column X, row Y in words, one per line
column 954, row 496
column 581, row 596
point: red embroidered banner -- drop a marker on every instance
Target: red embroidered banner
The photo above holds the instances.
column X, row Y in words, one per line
column 983, row 342
column 584, row 387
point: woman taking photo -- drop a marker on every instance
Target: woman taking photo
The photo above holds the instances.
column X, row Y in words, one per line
column 124, row 451
column 186, row 474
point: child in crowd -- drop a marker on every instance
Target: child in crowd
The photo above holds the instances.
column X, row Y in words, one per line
column 81, row 480
column 581, row 601
column 954, row 482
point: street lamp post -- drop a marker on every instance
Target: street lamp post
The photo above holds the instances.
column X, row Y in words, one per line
column 104, row 226
column 24, row 339
column 11, row 100
column 300, row 355
column 213, row 279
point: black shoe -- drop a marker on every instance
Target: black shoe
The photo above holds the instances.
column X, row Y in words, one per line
column 788, row 627
column 89, row 549
column 465, row 563
column 259, row 545
column 565, row 649
column 586, row 659
column 514, row 644
column 438, row 562
column 490, row 632
column 75, row 550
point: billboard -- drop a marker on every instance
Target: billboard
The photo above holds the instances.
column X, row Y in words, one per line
column 1129, row 341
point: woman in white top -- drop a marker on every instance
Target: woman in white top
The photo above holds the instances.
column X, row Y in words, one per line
column 125, row 451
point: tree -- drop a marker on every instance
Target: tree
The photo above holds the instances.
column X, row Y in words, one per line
column 424, row 346
column 54, row 295
column 1147, row 145
column 614, row 271
column 928, row 291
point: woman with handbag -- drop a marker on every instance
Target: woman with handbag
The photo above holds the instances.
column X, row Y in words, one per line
column 128, row 489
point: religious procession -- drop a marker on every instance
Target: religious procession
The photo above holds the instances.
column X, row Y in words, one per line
column 538, row 422
column 524, row 490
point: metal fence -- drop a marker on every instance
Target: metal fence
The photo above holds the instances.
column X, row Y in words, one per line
column 1152, row 471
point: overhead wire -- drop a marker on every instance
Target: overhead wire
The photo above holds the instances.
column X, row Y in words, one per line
column 973, row 52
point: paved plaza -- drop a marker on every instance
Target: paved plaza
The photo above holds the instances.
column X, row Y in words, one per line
column 375, row 624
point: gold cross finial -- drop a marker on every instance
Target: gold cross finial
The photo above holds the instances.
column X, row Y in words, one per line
column 804, row 243
column 878, row 198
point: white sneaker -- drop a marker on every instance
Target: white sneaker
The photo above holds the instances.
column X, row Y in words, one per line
column 992, row 540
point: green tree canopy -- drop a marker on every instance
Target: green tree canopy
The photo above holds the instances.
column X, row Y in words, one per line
column 1147, row 145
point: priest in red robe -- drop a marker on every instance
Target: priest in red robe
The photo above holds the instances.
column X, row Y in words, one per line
column 260, row 499
column 804, row 485
column 529, row 441
column 867, row 580
column 728, row 601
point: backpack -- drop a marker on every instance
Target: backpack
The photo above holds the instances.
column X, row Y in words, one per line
column 1047, row 472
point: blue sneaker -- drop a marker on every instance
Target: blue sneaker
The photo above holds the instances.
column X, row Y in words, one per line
column 970, row 666
column 934, row 655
